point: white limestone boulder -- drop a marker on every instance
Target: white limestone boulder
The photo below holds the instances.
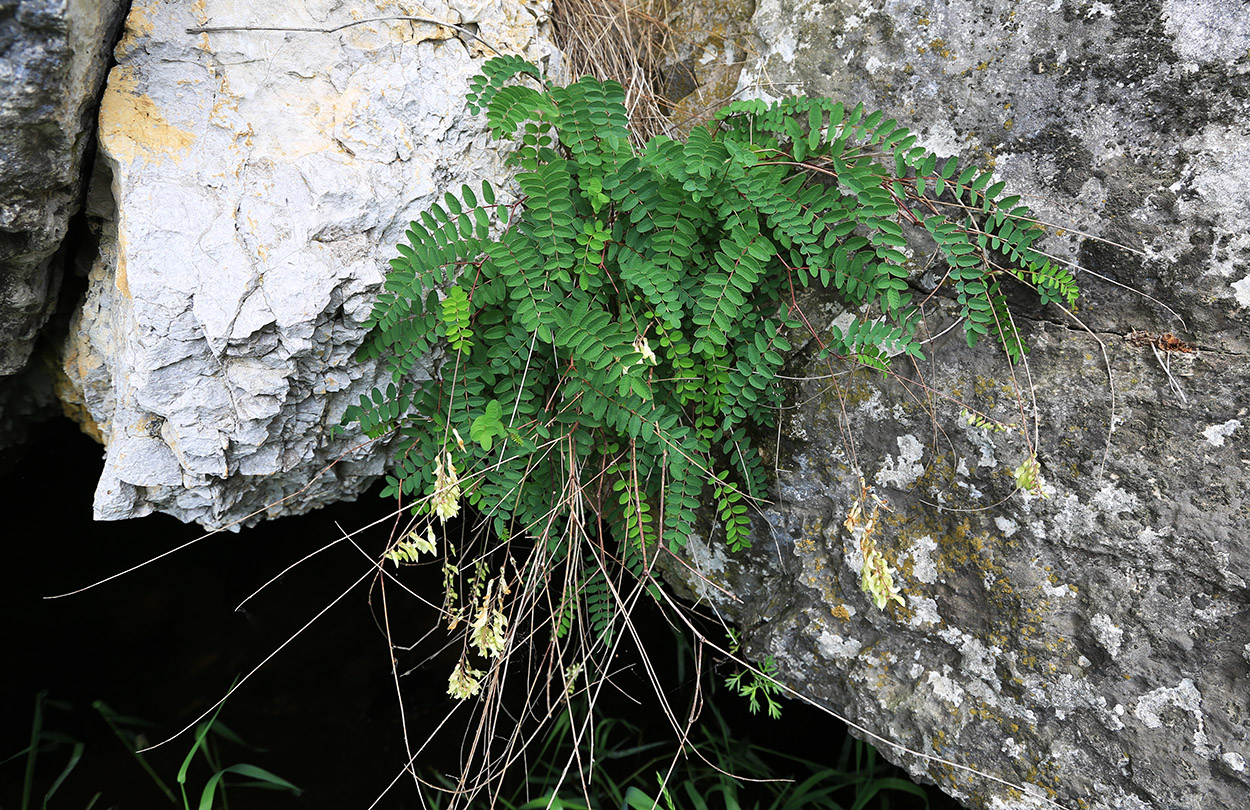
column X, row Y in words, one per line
column 259, row 183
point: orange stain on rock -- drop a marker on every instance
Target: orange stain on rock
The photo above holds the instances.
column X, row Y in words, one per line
column 131, row 125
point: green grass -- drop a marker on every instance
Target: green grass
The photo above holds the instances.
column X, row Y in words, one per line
column 69, row 752
column 623, row 768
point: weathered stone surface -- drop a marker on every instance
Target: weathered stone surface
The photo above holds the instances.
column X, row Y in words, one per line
column 259, row 182
column 709, row 42
column 53, row 57
column 1092, row 643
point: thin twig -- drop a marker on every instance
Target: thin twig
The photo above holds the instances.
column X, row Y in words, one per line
column 238, row 522
column 217, row 29
column 239, row 683
column 1165, row 363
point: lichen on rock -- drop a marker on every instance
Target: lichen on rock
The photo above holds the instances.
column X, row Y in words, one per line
column 1084, row 639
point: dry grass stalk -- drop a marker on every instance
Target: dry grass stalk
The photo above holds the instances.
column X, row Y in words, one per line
column 638, row 42
column 622, row 40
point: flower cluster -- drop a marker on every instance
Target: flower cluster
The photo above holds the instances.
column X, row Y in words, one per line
column 411, row 549
column 643, row 347
column 489, row 626
column 446, row 498
column 465, row 682
column 1029, row 476
column 876, row 577
column 487, row 631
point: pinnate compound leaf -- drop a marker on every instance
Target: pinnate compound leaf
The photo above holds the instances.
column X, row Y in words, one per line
column 628, row 313
column 487, row 426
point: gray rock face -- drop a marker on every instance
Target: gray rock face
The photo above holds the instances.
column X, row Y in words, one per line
column 53, row 57
column 254, row 186
column 1092, row 643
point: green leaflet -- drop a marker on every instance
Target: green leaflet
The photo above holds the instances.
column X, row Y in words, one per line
column 621, row 329
column 488, row 426
column 456, row 319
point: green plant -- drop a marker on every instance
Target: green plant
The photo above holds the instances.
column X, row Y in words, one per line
column 754, row 684
column 256, row 777
column 713, row 768
column 609, row 339
column 43, row 741
column 129, row 731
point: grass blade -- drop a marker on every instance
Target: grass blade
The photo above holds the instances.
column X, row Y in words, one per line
column 74, row 757
column 36, row 727
column 262, row 777
column 869, row 791
column 635, row 799
column 115, row 722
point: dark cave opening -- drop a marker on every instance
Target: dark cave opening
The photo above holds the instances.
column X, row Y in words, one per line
column 163, row 643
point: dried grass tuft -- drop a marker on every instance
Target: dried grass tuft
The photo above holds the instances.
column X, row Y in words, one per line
column 624, row 40
column 652, row 46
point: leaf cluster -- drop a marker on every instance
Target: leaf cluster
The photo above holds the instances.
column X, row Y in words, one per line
column 612, row 338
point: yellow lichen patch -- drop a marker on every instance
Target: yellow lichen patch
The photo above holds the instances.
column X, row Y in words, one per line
column 840, row 612
column 816, row 571
column 939, row 47
column 965, row 553
column 987, row 388
column 225, row 104
column 131, row 125
column 806, row 545
column 200, row 9
column 138, row 22
column 861, row 388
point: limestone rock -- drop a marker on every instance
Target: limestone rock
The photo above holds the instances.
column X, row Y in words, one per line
column 709, row 43
column 1091, row 643
column 259, row 182
column 53, row 58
